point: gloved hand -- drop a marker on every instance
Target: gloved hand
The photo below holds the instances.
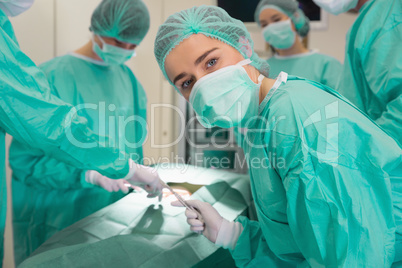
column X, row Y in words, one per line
column 147, row 178
column 212, row 219
column 106, row 183
column 214, row 227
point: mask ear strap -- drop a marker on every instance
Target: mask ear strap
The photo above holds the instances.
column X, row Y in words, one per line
column 244, row 62
column 260, row 78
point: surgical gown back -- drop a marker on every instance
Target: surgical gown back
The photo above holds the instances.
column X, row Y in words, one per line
column 372, row 74
column 326, row 182
column 49, row 195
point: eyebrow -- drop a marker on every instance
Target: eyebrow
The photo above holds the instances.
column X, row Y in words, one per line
column 198, row 61
column 180, row 76
column 203, row 56
column 276, row 16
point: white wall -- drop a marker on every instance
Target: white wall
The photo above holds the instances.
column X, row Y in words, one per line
column 55, row 27
column 332, row 41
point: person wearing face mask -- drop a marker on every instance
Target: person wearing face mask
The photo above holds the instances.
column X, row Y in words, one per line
column 372, row 73
column 94, row 77
column 31, row 114
column 319, row 167
column 283, row 25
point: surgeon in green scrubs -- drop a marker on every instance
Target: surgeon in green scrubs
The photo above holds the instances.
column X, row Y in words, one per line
column 326, row 180
column 32, row 115
column 372, row 73
column 49, row 195
column 283, row 26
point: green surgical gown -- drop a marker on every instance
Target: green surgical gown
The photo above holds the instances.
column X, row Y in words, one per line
column 32, row 115
column 326, row 182
column 314, row 66
column 372, row 74
column 49, row 195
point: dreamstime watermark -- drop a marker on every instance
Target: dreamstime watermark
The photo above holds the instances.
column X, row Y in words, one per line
column 115, row 130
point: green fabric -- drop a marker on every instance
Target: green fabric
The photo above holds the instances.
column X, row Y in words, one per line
column 3, row 193
column 372, row 74
column 32, row 115
column 135, row 232
column 220, row 258
column 7, row 28
column 125, row 20
column 49, row 195
column 210, row 21
column 313, row 66
column 328, row 189
column 291, row 9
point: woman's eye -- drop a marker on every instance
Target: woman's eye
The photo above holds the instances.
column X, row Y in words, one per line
column 187, row 84
column 211, row 63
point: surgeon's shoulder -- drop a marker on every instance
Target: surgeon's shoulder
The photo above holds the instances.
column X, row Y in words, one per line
column 132, row 76
column 296, row 93
column 58, row 65
column 326, row 59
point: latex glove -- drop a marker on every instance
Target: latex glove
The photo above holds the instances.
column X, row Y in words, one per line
column 147, row 178
column 214, row 227
column 106, row 183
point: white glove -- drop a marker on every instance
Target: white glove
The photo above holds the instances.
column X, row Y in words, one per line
column 213, row 226
column 147, row 178
column 106, row 183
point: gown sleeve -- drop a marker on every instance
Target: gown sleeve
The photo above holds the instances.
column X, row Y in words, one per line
column 32, row 115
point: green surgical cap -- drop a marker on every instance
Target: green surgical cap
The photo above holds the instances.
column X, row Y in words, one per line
column 291, row 9
column 210, row 21
column 126, row 20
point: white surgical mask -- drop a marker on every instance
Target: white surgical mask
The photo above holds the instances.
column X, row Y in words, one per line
column 13, row 8
column 227, row 97
column 280, row 34
column 336, row 7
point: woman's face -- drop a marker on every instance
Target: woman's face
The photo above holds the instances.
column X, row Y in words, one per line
column 270, row 15
column 198, row 56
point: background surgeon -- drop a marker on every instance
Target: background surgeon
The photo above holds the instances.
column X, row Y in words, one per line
column 49, row 195
column 372, row 73
column 32, row 115
column 335, row 168
column 283, row 27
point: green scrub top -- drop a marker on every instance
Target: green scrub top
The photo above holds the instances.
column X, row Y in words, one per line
column 49, row 195
column 32, row 115
column 326, row 182
column 313, row 66
column 372, row 73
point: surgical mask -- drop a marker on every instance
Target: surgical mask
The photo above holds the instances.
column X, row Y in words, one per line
column 226, row 97
column 13, row 8
column 112, row 55
column 280, row 34
column 336, row 7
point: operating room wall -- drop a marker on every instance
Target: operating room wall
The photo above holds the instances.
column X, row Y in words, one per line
column 54, row 27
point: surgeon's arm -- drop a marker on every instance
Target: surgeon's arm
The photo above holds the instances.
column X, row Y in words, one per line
column 32, row 167
column 391, row 120
column 252, row 250
column 383, row 72
column 331, row 73
column 32, row 115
